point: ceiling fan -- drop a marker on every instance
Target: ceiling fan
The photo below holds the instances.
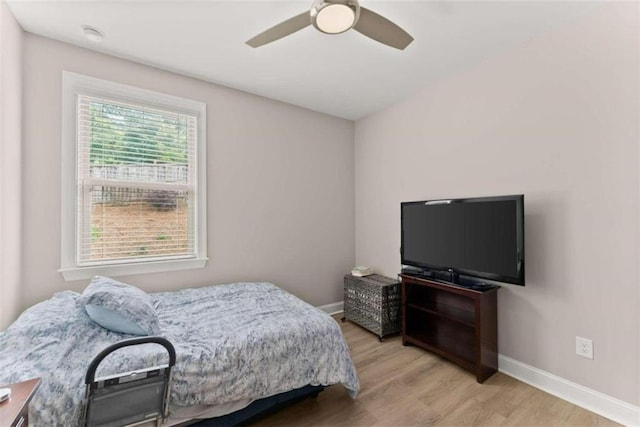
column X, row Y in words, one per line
column 335, row 17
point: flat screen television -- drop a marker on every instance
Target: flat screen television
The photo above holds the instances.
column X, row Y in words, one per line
column 478, row 238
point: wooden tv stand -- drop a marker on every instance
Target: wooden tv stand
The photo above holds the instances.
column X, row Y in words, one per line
column 457, row 323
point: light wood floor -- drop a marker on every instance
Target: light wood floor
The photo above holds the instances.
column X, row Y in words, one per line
column 407, row 386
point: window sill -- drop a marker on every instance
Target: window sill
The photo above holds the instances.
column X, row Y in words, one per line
column 113, row 270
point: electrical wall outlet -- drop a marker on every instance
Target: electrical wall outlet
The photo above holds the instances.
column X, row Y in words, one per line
column 584, row 347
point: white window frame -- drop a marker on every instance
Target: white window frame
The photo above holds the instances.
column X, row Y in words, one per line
column 74, row 84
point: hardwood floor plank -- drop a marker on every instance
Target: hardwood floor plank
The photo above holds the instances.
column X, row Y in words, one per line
column 407, row 386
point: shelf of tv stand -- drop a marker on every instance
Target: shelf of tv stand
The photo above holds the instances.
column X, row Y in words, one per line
column 437, row 346
column 452, row 313
column 457, row 323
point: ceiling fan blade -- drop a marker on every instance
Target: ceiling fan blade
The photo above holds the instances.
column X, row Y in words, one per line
column 281, row 30
column 382, row 30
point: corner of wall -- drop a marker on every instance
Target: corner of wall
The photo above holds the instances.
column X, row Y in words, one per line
column 11, row 36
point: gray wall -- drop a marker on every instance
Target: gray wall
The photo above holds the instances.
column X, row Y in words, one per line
column 280, row 182
column 10, row 164
column 557, row 120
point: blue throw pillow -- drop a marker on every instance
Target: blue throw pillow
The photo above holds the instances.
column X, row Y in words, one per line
column 120, row 307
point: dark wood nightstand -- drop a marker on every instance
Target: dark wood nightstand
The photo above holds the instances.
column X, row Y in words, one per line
column 14, row 412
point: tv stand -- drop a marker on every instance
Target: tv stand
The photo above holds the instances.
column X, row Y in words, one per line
column 457, row 323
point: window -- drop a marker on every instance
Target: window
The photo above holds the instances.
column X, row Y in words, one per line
column 133, row 187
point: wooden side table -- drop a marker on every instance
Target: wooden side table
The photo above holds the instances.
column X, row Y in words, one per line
column 14, row 412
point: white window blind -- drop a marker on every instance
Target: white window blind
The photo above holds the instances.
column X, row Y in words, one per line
column 136, row 182
column 133, row 180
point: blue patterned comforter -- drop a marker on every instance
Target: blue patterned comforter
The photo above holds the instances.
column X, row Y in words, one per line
column 233, row 342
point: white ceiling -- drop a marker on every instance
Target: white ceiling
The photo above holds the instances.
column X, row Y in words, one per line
column 346, row 75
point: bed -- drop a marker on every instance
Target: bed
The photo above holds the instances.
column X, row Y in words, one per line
column 235, row 344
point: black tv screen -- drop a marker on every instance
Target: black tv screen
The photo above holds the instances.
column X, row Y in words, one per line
column 480, row 237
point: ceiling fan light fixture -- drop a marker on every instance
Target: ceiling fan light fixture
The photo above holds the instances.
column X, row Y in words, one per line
column 334, row 16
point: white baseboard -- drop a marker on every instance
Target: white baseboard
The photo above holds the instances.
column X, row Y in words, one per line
column 333, row 308
column 594, row 401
